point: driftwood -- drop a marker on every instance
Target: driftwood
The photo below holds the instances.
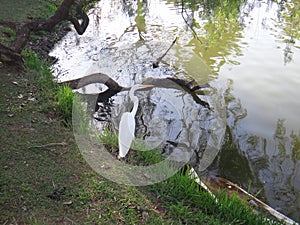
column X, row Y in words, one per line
column 23, row 30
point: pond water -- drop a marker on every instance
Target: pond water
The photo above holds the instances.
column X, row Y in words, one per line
column 248, row 51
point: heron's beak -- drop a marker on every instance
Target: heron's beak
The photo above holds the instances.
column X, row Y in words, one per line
column 147, row 86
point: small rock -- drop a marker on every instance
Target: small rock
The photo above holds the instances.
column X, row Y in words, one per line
column 32, row 99
column 145, row 215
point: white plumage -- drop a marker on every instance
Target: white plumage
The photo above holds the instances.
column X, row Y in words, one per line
column 127, row 123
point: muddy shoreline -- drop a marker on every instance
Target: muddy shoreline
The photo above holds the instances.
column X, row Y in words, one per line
column 44, row 44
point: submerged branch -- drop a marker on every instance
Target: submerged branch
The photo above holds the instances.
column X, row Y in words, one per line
column 177, row 83
column 215, row 184
column 155, row 64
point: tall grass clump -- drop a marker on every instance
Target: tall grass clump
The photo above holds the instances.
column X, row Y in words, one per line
column 141, row 154
column 40, row 75
column 51, row 96
column 33, row 62
column 51, row 9
column 65, row 98
column 109, row 138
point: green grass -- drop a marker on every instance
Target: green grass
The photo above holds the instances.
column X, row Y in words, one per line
column 65, row 98
column 21, row 10
column 189, row 204
column 109, row 138
column 51, row 96
column 7, row 35
column 142, row 156
column 31, row 176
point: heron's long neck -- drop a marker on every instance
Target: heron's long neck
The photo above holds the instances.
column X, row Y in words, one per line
column 134, row 99
column 135, row 104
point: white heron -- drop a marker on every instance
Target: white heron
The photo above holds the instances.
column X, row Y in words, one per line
column 127, row 122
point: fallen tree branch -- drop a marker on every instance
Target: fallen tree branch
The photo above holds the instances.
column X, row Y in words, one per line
column 177, row 83
column 94, row 78
column 169, row 82
column 113, row 87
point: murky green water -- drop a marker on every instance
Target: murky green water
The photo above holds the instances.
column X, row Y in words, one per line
column 249, row 51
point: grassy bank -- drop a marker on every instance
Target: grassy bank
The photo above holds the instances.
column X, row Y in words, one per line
column 44, row 179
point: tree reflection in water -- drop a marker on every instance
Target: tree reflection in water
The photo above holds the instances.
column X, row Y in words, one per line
column 258, row 162
column 261, row 164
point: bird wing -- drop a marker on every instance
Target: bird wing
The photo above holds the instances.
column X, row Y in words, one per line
column 126, row 133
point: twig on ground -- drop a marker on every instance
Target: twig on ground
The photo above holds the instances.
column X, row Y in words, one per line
column 49, row 145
